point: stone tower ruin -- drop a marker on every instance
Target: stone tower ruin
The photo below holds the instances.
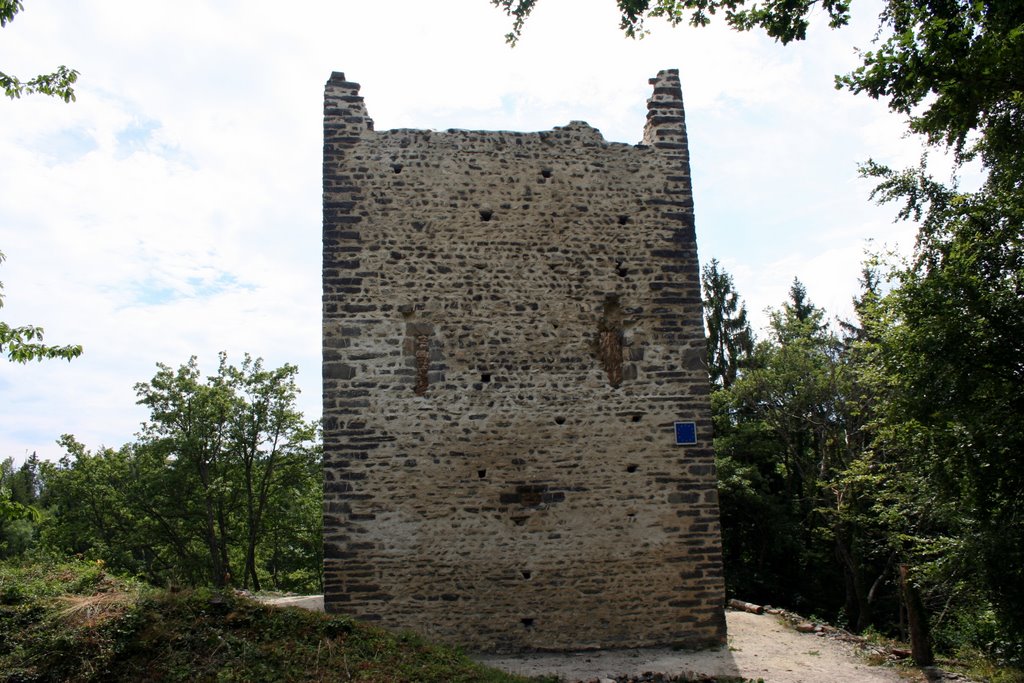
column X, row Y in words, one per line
column 517, row 428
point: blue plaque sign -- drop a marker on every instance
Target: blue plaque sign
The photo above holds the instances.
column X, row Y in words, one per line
column 686, row 433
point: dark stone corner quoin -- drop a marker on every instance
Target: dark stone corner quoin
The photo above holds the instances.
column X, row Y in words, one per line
column 511, row 332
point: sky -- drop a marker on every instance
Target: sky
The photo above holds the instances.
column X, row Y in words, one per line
column 174, row 209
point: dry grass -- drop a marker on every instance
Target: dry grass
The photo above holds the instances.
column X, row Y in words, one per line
column 92, row 610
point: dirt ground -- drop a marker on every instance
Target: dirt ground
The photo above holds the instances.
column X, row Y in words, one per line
column 760, row 646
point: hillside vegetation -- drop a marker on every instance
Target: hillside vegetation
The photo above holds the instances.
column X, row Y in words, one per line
column 73, row 621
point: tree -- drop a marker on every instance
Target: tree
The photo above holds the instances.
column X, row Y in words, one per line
column 730, row 339
column 236, row 441
column 22, row 483
column 949, row 359
column 292, row 545
column 90, row 497
column 16, row 497
column 189, row 422
column 779, row 439
column 798, row 493
column 19, row 516
column 793, row 387
column 269, row 438
column 954, row 68
column 949, row 356
column 225, row 474
column 60, row 83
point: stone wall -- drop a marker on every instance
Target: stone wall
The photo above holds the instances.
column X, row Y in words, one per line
column 511, row 328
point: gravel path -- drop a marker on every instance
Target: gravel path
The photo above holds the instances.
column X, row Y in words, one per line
column 760, row 646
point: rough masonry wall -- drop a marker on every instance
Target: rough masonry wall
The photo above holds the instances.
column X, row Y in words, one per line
column 511, row 326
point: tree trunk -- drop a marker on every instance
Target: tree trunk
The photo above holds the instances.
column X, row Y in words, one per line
column 217, row 573
column 250, row 562
column 920, row 643
column 858, row 607
column 257, row 493
column 222, row 527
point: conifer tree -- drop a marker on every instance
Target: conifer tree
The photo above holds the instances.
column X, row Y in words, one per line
column 730, row 339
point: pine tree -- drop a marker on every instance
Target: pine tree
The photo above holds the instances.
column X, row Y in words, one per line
column 730, row 339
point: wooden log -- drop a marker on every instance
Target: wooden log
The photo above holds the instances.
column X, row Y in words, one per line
column 746, row 606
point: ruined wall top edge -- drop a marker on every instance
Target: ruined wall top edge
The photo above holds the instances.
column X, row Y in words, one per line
column 665, row 112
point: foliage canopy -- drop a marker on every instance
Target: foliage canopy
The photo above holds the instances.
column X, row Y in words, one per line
column 784, row 21
column 222, row 486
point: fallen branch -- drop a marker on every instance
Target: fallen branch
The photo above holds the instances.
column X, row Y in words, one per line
column 746, row 606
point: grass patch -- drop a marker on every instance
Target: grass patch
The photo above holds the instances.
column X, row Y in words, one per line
column 73, row 621
column 976, row 665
